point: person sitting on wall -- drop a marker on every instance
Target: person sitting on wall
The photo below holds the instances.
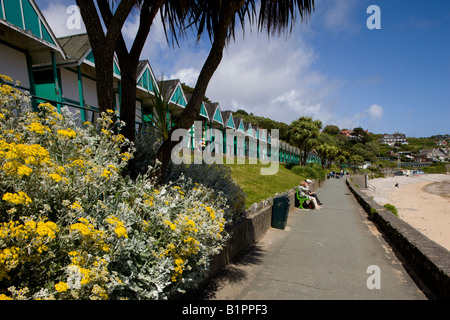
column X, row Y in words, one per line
column 313, row 194
column 304, row 191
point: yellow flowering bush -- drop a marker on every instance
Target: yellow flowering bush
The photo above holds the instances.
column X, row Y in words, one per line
column 72, row 226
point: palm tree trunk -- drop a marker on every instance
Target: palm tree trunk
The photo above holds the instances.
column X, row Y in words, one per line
column 104, row 79
column 128, row 99
column 192, row 109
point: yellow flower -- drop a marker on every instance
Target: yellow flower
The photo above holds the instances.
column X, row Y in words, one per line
column 76, row 206
column 77, row 162
column 48, row 229
column 121, row 232
column 38, row 128
column 126, row 156
column 17, row 198
column 60, row 170
column 6, row 78
column 23, row 170
column 98, row 293
column 119, row 226
column 106, row 174
column 170, row 224
column 69, row 133
column 61, row 287
column 55, row 177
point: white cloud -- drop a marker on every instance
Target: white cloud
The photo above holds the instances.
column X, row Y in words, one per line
column 188, row 76
column 273, row 79
column 368, row 118
column 375, row 111
column 130, row 28
column 336, row 16
column 64, row 20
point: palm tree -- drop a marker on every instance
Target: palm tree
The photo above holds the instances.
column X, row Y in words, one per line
column 327, row 153
column 218, row 19
column 304, row 133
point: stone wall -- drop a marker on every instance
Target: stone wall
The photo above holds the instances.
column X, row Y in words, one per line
column 429, row 260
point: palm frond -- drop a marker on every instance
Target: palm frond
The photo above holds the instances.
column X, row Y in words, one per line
column 276, row 16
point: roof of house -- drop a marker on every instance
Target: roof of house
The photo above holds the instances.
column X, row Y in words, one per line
column 212, row 109
column 227, row 117
column 76, row 46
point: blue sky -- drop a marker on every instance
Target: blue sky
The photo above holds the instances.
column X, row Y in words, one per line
column 332, row 68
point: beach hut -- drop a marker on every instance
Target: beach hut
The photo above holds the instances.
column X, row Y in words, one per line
column 27, row 42
column 172, row 92
column 262, row 144
column 228, row 139
column 77, row 78
column 239, row 138
column 146, row 89
column 214, row 128
column 202, row 118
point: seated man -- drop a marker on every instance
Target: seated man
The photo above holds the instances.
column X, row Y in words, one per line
column 312, row 194
column 304, row 191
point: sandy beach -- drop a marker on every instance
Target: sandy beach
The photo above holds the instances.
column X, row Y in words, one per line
column 422, row 201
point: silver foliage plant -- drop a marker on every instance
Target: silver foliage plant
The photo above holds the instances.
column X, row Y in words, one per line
column 214, row 176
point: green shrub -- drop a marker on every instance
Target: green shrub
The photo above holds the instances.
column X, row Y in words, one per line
column 306, row 172
column 391, row 208
column 311, row 171
column 321, row 172
column 435, row 168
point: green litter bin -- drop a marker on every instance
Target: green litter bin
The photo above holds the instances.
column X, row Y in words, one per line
column 280, row 212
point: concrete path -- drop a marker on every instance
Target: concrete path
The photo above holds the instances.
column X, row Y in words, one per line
column 320, row 255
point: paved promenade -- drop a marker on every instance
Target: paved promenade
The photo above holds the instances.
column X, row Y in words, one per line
column 320, row 255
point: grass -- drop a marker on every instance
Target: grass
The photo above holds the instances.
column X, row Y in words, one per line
column 391, row 208
column 259, row 187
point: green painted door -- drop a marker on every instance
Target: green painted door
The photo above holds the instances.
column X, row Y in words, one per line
column 45, row 85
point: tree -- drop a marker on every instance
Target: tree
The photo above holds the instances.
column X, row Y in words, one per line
column 322, row 152
column 217, row 19
column 304, row 132
column 362, row 134
column 103, row 45
column 356, row 160
column 327, row 153
column 172, row 11
column 331, row 129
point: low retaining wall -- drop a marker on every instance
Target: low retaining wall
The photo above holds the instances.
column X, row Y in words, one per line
column 257, row 221
column 429, row 260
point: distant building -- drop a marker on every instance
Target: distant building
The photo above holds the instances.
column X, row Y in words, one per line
column 350, row 134
column 392, row 139
column 346, row 132
column 433, row 155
